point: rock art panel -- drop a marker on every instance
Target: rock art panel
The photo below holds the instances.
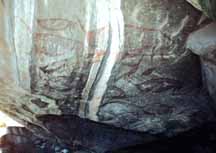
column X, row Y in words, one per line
column 122, row 63
column 154, row 71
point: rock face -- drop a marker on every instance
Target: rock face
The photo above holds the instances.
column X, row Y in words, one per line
column 199, row 140
column 209, row 69
column 119, row 63
column 203, row 43
column 207, row 6
column 156, row 79
column 106, row 138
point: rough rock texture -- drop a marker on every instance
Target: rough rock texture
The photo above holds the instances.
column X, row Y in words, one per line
column 153, row 85
column 196, row 4
column 203, row 43
column 209, row 72
column 122, row 63
column 89, row 136
column 92, row 135
column 207, row 6
column 21, row 140
column 199, row 140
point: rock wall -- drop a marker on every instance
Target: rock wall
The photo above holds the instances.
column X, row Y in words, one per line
column 207, row 6
column 155, row 76
column 122, row 63
column 55, row 57
column 203, row 43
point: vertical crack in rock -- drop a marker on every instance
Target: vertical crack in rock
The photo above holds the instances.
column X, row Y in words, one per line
column 98, row 37
column 116, row 42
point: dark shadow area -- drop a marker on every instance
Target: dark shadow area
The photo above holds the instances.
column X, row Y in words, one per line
column 199, row 140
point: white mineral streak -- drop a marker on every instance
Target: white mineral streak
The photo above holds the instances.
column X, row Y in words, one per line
column 15, row 100
column 23, row 38
column 97, row 17
column 15, row 47
column 97, row 26
column 116, row 42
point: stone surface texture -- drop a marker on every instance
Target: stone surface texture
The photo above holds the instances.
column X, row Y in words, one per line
column 208, row 7
column 155, row 76
column 199, row 140
column 203, row 43
column 122, row 64
column 209, row 72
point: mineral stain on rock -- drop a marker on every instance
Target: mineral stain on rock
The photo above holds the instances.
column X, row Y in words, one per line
column 104, row 75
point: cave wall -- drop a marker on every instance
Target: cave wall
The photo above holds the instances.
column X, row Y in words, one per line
column 55, row 57
column 208, row 7
column 122, row 63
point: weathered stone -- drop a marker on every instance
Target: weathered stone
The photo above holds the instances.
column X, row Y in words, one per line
column 207, row 6
column 17, row 140
column 96, row 137
column 156, row 78
column 209, row 72
column 203, row 41
column 122, row 63
column 21, row 140
column 198, row 140
column 196, row 4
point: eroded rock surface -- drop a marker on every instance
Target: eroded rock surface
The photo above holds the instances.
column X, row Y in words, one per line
column 207, row 6
column 198, row 140
column 156, row 79
column 73, row 134
column 122, row 63
column 209, row 69
column 203, row 43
